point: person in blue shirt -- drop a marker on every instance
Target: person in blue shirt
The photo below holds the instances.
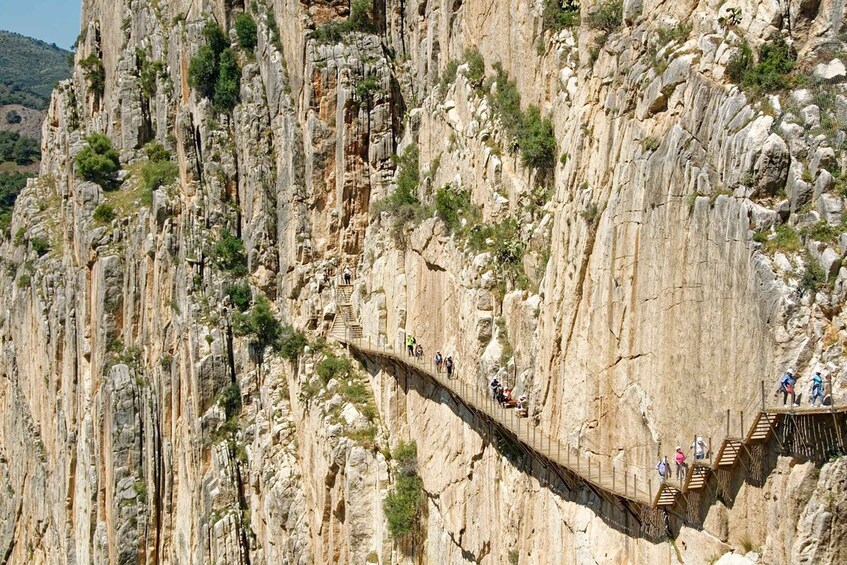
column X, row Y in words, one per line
column 817, row 389
column 786, row 387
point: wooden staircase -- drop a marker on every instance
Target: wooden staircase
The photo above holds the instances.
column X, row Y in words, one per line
column 665, row 495
column 345, row 326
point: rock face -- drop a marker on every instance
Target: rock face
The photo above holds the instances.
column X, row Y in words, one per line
column 680, row 244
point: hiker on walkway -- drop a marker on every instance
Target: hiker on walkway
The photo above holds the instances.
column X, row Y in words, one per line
column 816, row 392
column 495, row 386
column 347, row 275
column 449, row 364
column 410, row 345
column 700, row 449
column 439, row 360
column 419, row 352
column 663, row 467
column 681, row 466
column 786, row 387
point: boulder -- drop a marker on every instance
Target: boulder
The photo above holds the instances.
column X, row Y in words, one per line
column 833, row 71
column 632, row 10
column 772, row 165
column 831, row 209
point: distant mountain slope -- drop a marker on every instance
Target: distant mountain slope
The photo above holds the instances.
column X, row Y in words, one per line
column 29, row 69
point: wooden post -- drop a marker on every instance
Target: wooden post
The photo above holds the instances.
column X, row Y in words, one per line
column 613, row 479
column 589, row 467
column 635, row 486
column 727, row 422
column 763, row 395
column 743, row 435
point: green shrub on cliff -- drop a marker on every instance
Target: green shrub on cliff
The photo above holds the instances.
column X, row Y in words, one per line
column 95, row 74
column 229, row 254
column 214, row 72
column 227, row 85
column 245, row 28
column 608, row 17
column 560, row 14
column 453, row 205
column 98, row 161
column 404, row 503
column 532, row 134
column 772, row 71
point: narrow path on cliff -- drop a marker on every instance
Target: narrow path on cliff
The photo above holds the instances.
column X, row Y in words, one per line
column 814, row 433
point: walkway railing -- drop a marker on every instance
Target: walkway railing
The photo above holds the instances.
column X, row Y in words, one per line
column 638, row 485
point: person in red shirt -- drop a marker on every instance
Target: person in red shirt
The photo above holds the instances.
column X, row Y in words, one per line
column 680, row 463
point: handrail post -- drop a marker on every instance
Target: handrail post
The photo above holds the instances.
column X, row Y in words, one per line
column 727, row 422
column 624, row 484
column 763, row 395
column 613, row 479
column 743, row 435
column 711, row 450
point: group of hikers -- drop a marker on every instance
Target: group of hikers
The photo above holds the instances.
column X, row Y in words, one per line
column 415, row 349
column 663, row 467
column 503, row 396
column 788, row 388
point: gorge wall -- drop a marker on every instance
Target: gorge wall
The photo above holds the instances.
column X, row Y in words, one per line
column 682, row 243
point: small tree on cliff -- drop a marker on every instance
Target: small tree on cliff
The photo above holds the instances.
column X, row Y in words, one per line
column 98, row 161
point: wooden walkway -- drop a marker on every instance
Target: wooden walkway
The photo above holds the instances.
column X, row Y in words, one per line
column 641, row 487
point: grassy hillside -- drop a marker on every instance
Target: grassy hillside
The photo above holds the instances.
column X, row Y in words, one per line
column 29, row 69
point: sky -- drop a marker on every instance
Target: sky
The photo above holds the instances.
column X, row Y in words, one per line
column 53, row 21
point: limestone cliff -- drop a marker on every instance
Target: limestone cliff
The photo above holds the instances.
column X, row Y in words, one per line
column 637, row 266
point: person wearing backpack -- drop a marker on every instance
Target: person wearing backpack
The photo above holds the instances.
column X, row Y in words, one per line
column 449, row 364
column 438, row 361
column 786, row 387
column 663, row 468
column 816, row 392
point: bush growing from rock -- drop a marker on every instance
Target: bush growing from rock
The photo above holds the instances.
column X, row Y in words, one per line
column 608, row 17
column 39, row 245
column 245, row 28
column 403, row 505
column 95, row 74
column 214, row 72
column 332, row 367
column 560, row 14
column 104, row 214
column 261, row 323
column 240, row 296
column 98, row 161
column 227, row 85
column 771, row 73
column 452, row 205
column 229, row 253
